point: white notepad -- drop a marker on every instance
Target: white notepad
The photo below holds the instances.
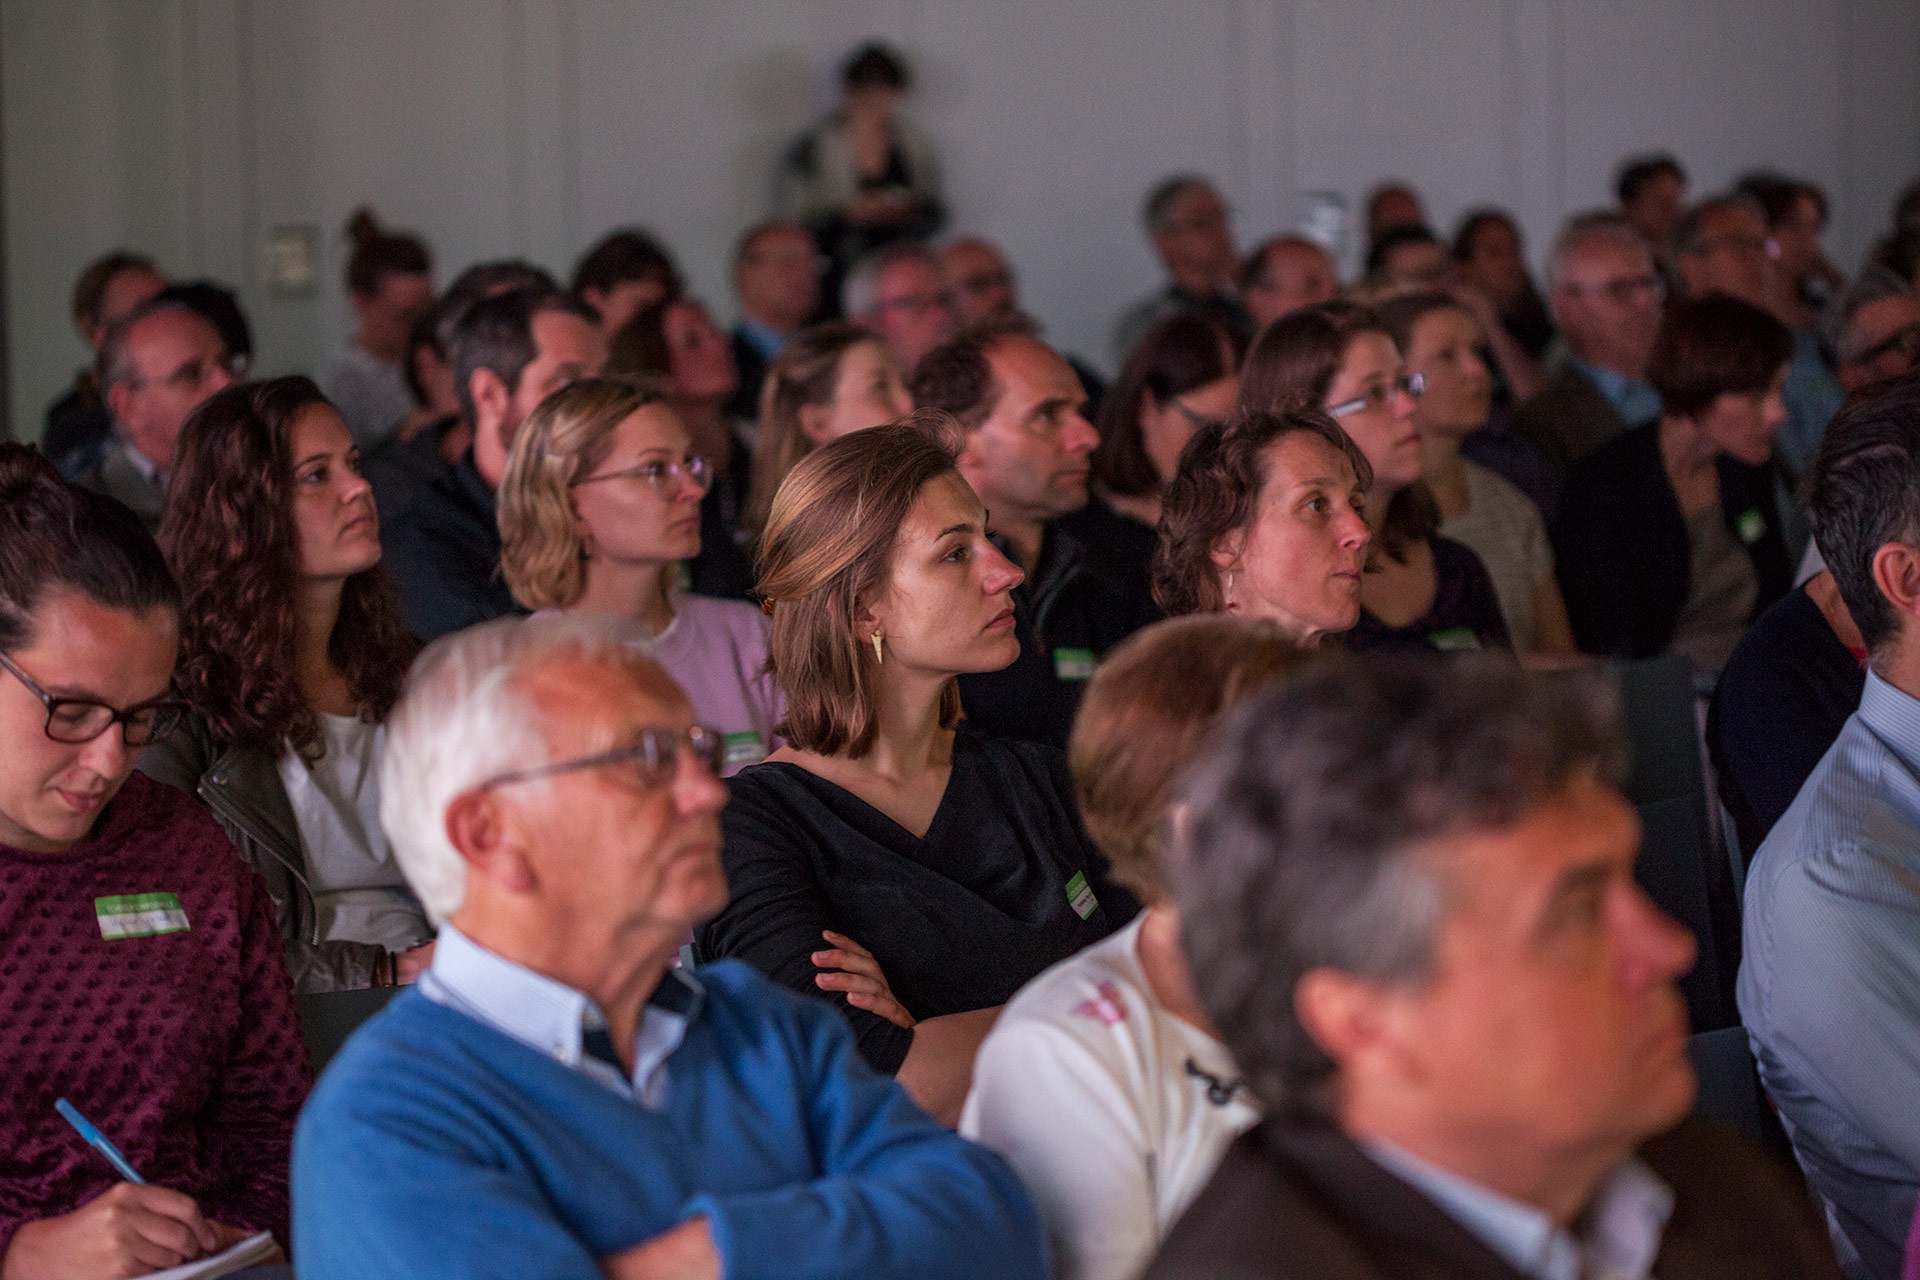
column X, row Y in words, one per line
column 249, row 1252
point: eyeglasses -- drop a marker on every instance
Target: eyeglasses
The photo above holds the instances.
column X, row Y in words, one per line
column 79, row 720
column 662, row 477
column 1624, row 290
column 916, row 303
column 653, row 757
column 988, row 281
column 1377, row 396
column 1906, row 341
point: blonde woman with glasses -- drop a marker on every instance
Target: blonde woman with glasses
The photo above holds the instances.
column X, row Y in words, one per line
column 599, row 511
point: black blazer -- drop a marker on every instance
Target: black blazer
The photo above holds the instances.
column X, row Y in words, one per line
column 1620, row 544
column 1292, row 1202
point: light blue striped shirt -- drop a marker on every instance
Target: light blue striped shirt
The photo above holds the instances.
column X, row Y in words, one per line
column 1830, row 979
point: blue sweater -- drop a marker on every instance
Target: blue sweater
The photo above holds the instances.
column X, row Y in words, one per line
column 435, row 1146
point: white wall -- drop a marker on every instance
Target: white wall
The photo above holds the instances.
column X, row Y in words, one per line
column 189, row 128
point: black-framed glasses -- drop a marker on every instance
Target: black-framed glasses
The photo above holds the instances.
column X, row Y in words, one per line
column 1904, row 340
column 661, row 476
column 1376, row 396
column 79, row 720
column 654, row 755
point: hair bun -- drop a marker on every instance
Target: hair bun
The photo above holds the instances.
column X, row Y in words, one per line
column 363, row 228
column 23, row 468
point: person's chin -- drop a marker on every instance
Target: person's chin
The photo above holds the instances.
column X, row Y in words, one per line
column 995, row 652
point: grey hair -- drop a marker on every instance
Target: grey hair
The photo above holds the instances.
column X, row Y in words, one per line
column 1687, row 227
column 1305, row 822
column 115, row 362
column 1875, row 283
column 1598, row 224
column 1160, row 201
column 862, row 285
column 464, row 717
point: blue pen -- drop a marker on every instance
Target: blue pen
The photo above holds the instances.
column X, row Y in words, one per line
column 98, row 1140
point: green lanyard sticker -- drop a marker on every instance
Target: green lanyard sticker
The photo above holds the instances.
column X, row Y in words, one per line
column 1454, row 640
column 139, row 915
column 1073, row 664
column 743, row 748
column 1750, row 525
column 1080, row 896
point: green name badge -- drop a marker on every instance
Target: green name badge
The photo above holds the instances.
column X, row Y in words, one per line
column 1073, row 664
column 1750, row 525
column 139, row 915
column 1080, row 896
column 743, row 748
column 1454, row 640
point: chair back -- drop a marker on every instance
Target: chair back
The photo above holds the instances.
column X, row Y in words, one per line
column 329, row 1017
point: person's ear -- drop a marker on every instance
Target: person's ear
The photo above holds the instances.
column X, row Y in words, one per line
column 1346, row 1016
column 491, row 399
column 813, row 423
column 1226, row 549
column 483, row 833
column 1896, row 571
column 119, row 400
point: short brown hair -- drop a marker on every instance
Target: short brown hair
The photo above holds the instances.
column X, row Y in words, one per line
column 562, row 440
column 1713, row 346
column 1146, row 712
column 804, row 373
column 1217, row 490
column 956, row 378
column 828, row 546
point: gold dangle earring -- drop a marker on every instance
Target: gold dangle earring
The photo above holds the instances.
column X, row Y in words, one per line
column 878, row 656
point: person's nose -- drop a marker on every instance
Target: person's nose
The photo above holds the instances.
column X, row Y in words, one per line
column 997, row 572
column 697, row 790
column 1401, row 403
column 1773, row 412
column 355, row 487
column 219, row 378
column 1081, row 436
column 1352, row 529
column 108, row 753
column 1659, row 948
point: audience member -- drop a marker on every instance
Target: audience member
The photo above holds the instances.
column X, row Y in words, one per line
column 1193, row 236
column 1873, row 329
column 139, row 965
column 623, row 275
column 1104, row 1083
column 1182, row 377
column 1652, row 190
column 112, row 285
column 1421, row 591
column 863, row 177
column 899, row 293
column 554, row 1098
column 1392, row 205
column 1285, row 274
column 1489, row 258
column 292, row 652
column 1605, row 294
column 1804, row 279
column 678, row 343
column 913, row 876
column 510, row 351
column 158, row 363
column 390, row 284
column 1406, row 257
column 1723, row 245
column 1826, row 982
column 1429, row 957
column 830, row 381
column 1266, row 518
column 776, row 277
column 1669, row 539
column 1477, row 508
column 1023, row 447
column 599, row 508
column 219, row 306
column 981, row 286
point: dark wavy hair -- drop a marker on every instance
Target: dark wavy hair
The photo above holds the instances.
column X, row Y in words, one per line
column 230, row 539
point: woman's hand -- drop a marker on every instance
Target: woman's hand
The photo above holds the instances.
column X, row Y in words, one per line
column 851, row 969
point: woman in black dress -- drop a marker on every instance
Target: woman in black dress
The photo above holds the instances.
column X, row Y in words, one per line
column 914, row 874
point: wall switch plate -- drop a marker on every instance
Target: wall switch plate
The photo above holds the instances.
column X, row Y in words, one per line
column 293, row 255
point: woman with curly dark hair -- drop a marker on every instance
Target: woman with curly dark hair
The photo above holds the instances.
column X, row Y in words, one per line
column 292, row 653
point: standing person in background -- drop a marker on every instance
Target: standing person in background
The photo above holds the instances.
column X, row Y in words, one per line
column 1285, row 274
column 776, row 277
column 624, row 274
column 1104, row 1083
column 1192, row 234
column 863, row 177
column 1652, row 190
column 292, row 653
column 830, row 381
column 390, row 284
column 110, row 287
column 599, row 508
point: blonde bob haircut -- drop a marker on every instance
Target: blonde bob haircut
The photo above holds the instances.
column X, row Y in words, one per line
column 1148, row 710
column 560, row 443
column 827, row 549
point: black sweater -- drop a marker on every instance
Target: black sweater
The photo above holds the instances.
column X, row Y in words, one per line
column 1620, row 543
column 958, row 919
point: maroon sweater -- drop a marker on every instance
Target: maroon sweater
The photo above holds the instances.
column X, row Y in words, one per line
column 183, row 1048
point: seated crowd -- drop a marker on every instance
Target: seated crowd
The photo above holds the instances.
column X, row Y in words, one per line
column 816, row 837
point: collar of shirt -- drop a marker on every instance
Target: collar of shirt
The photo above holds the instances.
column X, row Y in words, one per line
column 765, row 340
column 551, row 1017
column 1619, row 1233
column 1632, row 399
column 1894, row 718
column 148, row 469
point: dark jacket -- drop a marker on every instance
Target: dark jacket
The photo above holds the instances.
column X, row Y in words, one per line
column 242, row 786
column 1297, row 1202
column 751, row 367
column 77, row 420
column 106, row 466
column 1066, row 616
column 443, row 551
column 1568, row 418
column 1620, row 543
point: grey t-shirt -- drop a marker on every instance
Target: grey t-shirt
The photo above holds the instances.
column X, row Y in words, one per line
column 1505, row 530
column 1721, row 593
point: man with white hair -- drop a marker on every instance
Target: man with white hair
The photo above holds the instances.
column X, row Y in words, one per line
column 1605, row 293
column 899, row 292
column 553, row 1098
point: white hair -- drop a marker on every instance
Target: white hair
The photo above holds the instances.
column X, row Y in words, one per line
column 464, row 717
column 1584, row 228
